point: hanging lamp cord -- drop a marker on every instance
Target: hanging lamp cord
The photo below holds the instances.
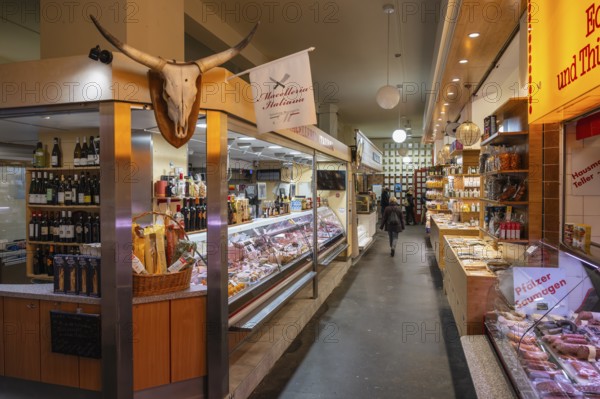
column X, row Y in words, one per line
column 388, row 49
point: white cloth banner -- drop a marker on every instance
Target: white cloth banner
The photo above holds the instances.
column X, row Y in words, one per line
column 283, row 93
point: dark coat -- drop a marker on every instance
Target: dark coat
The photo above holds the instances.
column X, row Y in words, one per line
column 386, row 214
column 385, row 198
column 410, row 199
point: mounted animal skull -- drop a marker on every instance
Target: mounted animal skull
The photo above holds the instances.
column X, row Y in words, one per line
column 175, row 86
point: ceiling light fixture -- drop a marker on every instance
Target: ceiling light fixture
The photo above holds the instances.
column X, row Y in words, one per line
column 463, row 61
column 247, row 138
column 446, row 104
column 201, row 124
column 474, row 35
column 388, row 96
column 274, row 147
column 468, row 133
column 456, row 80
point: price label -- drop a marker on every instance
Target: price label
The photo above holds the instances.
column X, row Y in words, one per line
column 531, row 249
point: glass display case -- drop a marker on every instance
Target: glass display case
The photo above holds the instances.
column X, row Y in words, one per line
column 263, row 253
column 365, row 203
column 543, row 320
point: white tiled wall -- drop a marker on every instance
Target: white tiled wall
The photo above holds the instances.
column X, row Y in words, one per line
column 580, row 209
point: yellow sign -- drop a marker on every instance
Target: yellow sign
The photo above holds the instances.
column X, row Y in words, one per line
column 564, row 59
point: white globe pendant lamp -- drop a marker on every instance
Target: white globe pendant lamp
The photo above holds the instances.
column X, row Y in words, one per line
column 399, row 135
column 388, row 96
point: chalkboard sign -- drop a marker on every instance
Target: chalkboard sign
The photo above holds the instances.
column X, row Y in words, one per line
column 76, row 334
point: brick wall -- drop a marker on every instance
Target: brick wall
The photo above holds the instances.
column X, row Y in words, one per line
column 551, row 180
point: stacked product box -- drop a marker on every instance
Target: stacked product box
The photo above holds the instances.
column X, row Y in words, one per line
column 77, row 275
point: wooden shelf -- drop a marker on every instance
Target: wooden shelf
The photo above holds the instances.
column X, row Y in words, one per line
column 463, row 198
column 435, row 176
column 501, row 240
column 66, row 207
column 512, row 138
column 504, row 203
column 66, row 244
column 506, row 172
column 69, row 169
column 44, row 277
column 511, row 105
column 464, row 175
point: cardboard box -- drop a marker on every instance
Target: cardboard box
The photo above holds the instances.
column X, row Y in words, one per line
column 59, row 274
column 70, row 275
column 94, row 282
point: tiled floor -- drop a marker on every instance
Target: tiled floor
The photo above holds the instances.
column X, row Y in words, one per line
column 386, row 332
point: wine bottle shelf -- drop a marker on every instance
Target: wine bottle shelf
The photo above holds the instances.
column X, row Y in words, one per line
column 66, row 244
column 66, row 207
column 67, row 168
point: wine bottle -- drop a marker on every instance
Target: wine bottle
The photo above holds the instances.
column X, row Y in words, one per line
column 32, row 227
column 91, row 156
column 36, row 260
column 185, row 211
column 75, row 190
column 97, row 146
column 70, row 228
column 44, row 227
column 56, row 227
column 36, row 227
column 50, row 261
column 87, row 191
column 79, row 230
column 55, row 185
column 77, row 154
column 87, row 230
column 56, row 160
column 84, row 153
column 40, row 156
column 81, row 190
column 50, row 190
column 61, row 191
column 96, row 198
column 96, row 229
column 32, row 189
column 62, row 227
column 41, row 190
column 68, row 193
column 193, row 217
column 198, row 215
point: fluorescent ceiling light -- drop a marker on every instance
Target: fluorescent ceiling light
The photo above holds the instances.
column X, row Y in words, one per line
column 463, row 61
column 295, row 153
column 474, row 35
column 201, row 124
column 456, row 80
column 274, row 147
column 247, row 138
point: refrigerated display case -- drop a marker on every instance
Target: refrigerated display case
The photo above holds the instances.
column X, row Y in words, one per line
column 543, row 323
column 263, row 253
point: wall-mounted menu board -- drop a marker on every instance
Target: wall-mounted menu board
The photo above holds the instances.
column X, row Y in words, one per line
column 76, row 334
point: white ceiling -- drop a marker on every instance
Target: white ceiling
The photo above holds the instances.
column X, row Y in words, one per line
column 348, row 65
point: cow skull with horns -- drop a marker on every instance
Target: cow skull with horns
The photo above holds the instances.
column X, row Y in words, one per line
column 175, row 86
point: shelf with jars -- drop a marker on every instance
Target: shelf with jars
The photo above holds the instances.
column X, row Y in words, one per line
column 509, row 186
column 63, row 201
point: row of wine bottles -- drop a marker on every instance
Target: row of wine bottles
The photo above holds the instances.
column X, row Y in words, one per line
column 83, row 156
column 63, row 227
column 43, row 257
column 193, row 214
column 50, row 190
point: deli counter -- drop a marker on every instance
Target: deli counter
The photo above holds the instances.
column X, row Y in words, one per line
column 543, row 320
column 267, row 252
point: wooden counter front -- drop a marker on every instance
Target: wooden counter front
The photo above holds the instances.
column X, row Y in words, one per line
column 437, row 234
column 467, row 293
column 169, row 343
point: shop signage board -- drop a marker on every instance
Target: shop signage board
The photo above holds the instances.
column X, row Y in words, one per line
column 537, row 289
column 564, row 59
column 315, row 138
column 283, row 93
column 585, row 171
column 371, row 156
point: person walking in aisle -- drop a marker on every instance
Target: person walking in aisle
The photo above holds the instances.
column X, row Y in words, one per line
column 410, row 207
column 392, row 222
column 385, row 200
column 423, row 208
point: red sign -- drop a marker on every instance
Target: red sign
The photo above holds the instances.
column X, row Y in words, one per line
column 588, row 127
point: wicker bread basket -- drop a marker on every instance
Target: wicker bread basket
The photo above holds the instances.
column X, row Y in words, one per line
column 158, row 284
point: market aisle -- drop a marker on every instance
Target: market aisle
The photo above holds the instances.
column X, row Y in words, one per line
column 386, row 332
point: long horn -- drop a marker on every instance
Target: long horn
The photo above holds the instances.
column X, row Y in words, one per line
column 152, row 62
column 220, row 58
